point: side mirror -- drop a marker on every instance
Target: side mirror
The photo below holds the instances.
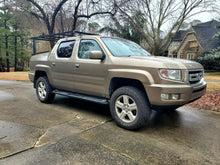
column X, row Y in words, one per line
column 96, row 55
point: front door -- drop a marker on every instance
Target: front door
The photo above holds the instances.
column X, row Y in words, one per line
column 89, row 74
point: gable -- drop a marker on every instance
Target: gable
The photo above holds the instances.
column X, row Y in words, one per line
column 190, row 37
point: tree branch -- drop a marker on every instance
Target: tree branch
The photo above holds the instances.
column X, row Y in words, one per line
column 56, row 11
column 96, row 13
column 146, row 37
column 75, row 17
column 34, row 14
column 39, row 8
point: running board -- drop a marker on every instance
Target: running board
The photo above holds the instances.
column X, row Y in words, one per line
column 81, row 96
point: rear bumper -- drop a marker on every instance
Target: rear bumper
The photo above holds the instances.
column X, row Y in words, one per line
column 187, row 93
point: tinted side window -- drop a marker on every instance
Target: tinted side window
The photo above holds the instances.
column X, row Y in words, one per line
column 86, row 46
column 65, row 49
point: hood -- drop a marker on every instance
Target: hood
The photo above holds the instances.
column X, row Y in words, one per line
column 170, row 62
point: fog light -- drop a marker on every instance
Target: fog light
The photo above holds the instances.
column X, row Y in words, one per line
column 169, row 96
column 175, row 96
column 165, row 96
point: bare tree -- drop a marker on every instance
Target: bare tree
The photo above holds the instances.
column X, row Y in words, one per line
column 48, row 11
column 42, row 14
column 162, row 18
column 6, row 19
column 45, row 16
column 86, row 9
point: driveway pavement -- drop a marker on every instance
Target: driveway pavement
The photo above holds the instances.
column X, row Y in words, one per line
column 71, row 131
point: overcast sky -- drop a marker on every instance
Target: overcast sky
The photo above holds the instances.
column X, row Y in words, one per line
column 207, row 16
column 204, row 17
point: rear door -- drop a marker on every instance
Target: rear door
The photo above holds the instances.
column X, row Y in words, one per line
column 61, row 62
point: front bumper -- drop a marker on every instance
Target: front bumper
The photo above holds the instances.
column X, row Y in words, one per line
column 31, row 76
column 187, row 93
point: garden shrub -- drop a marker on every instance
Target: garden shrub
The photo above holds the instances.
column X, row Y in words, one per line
column 210, row 60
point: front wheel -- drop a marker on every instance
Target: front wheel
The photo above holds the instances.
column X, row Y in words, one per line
column 130, row 108
column 44, row 90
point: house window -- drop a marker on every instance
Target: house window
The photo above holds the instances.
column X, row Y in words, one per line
column 181, row 56
column 190, row 56
column 175, row 45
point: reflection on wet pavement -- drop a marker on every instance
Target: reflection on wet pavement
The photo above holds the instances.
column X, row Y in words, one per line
column 5, row 96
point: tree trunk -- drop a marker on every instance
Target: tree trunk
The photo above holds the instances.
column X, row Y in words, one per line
column 1, row 69
column 15, row 43
column 6, row 48
column 22, row 65
column 7, row 54
column 61, row 21
column 74, row 24
column 6, row 44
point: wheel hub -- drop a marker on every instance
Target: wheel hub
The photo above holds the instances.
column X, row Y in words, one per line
column 126, row 108
column 42, row 90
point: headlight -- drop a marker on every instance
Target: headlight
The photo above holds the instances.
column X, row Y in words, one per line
column 173, row 74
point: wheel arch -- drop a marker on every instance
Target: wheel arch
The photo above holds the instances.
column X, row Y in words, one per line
column 117, row 82
column 39, row 73
column 127, row 77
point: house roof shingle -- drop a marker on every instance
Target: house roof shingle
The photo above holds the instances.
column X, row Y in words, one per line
column 180, row 35
column 205, row 33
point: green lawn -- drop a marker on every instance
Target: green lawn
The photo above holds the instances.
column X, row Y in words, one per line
column 26, row 71
column 217, row 74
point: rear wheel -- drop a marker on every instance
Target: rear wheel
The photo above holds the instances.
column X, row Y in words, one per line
column 130, row 107
column 44, row 90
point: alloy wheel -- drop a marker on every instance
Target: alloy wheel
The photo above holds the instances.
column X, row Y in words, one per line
column 42, row 90
column 126, row 108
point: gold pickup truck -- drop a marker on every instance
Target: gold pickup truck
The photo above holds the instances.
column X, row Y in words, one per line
column 117, row 72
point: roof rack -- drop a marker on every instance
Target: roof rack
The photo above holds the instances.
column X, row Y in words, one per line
column 84, row 33
column 55, row 37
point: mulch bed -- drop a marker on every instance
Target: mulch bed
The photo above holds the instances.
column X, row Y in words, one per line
column 210, row 101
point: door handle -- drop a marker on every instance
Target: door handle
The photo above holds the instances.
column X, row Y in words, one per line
column 53, row 64
column 77, row 66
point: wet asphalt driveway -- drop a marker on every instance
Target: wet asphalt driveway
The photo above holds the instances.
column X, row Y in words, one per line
column 71, row 131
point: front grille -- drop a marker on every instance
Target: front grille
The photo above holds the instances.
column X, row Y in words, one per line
column 194, row 76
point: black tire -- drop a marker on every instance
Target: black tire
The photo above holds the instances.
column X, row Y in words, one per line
column 170, row 110
column 44, row 90
column 124, row 113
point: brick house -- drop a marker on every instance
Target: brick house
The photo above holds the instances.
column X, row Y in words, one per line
column 197, row 40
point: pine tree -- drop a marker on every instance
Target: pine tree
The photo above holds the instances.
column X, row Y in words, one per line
column 12, row 38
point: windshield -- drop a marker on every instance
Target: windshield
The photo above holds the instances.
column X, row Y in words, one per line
column 124, row 48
